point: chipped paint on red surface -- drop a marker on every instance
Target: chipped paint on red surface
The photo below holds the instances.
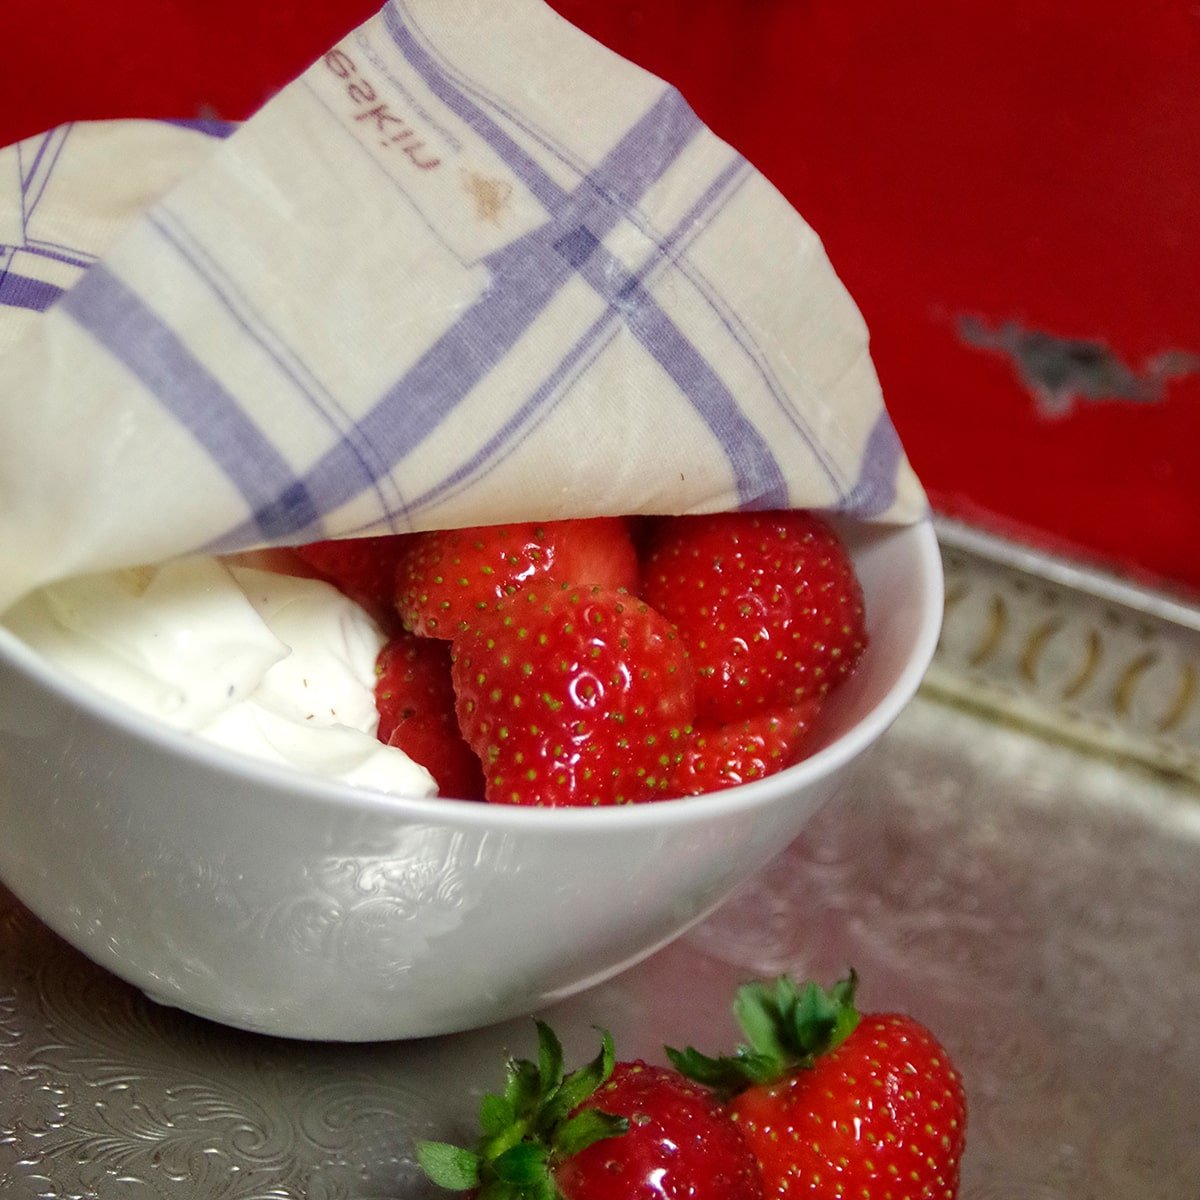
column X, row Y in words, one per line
column 1033, row 168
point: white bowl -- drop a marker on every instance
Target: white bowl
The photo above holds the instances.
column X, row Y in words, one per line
column 275, row 902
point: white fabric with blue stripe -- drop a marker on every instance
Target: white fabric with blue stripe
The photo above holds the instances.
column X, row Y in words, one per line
column 469, row 267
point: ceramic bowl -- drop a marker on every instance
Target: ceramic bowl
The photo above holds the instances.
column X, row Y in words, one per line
column 268, row 900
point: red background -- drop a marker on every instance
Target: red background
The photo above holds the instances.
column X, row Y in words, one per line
column 1036, row 161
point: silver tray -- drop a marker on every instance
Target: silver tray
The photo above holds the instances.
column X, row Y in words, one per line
column 1017, row 864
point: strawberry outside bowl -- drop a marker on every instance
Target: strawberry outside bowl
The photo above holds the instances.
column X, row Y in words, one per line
column 275, row 902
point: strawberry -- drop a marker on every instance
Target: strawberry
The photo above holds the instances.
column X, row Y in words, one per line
column 573, row 696
column 453, row 575
column 767, row 604
column 834, row 1104
column 415, row 698
column 681, row 1142
column 362, row 568
column 724, row 756
column 608, row 1131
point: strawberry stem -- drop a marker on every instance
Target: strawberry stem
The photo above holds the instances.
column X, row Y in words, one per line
column 528, row 1129
column 787, row 1027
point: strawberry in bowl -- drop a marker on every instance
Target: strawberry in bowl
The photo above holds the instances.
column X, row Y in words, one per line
column 588, row 672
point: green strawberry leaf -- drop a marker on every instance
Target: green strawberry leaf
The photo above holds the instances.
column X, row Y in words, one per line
column 523, row 1087
column 812, row 1023
column 582, row 1082
column 521, row 1166
column 760, row 1011
column 496, row 1114
column 550, row 1058
column 586, row 1129
column 450, row 1167
column 726, row 1075
column 529, row 1127
column 822, row 1020
column 842, row 994
column 787, row 1028
column 498, row 1189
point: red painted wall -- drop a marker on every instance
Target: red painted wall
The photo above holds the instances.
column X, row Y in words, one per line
column 999, row 185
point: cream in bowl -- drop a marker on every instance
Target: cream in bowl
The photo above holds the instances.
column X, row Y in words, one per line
column 268, row 664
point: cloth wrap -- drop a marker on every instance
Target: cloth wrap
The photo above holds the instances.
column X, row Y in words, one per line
column 470, row 267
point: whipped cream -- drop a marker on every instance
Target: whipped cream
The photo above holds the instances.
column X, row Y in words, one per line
column 275, row 666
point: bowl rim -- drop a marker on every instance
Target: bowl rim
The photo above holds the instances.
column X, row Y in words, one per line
column 443, row 811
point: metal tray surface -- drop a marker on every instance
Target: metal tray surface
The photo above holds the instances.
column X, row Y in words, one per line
column 1033, row 901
